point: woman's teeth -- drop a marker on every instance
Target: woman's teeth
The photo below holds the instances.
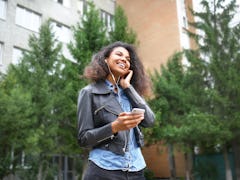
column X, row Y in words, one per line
column 121, row 65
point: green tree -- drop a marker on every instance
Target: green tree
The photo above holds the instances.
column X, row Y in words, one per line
column 89, row 37
column 219, row 48
column 121, row 30
column 41, row 74
column 169, row 105
column 15, row 123
column 180, row 101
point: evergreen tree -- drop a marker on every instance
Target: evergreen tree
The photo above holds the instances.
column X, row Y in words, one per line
column 89, row 37
column 169, row 106
column 41, row 74
column 15, row 123
column 121, row 30
column 182, row 118
column 219, row 48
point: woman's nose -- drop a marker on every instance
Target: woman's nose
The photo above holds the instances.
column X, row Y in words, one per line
column 124, row 59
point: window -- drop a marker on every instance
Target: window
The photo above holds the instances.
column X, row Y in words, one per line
column 236, row 19
column 17, row 55
column 66, row 3
column 3, row 8
column 107, row 19
column 184, row 14
column 62, row 32
column 1, row 53
column 67, row 53
column 28, row 19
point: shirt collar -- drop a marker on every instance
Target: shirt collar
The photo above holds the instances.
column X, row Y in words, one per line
column 111, row 86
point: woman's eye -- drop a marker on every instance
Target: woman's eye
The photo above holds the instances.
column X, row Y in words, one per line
column 121, row 55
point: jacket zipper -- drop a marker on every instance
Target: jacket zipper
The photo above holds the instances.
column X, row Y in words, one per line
column 98, row 109
column 126, row 135
column 109, row 137
column 103, row 106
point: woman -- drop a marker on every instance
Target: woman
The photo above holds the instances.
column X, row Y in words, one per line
column 105, row 121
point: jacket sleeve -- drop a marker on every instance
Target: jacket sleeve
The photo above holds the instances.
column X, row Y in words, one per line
column 138, row 102
column 88, row 135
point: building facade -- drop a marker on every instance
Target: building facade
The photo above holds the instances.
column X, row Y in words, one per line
column 159, row 26
column 21, row 18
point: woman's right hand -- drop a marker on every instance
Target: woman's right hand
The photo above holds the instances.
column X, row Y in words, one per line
column 126, row 121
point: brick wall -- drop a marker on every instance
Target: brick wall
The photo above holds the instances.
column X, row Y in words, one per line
column 156, row 157
column 156, row 25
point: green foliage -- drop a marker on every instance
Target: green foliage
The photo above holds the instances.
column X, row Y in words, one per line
column 220, row 50
column 121, row 30
column 39, row 74
column 148, row 174
column 169, row 98
column 197, row 104
column 89, row 36
column 15, row 121
column 40, row 112
column 206, row 172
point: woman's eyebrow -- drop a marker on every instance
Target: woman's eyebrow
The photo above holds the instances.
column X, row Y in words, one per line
column 122, row 53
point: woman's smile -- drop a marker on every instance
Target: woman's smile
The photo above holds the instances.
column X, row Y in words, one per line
column 119, row 61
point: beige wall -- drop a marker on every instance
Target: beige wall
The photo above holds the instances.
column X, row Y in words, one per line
column 156, row 25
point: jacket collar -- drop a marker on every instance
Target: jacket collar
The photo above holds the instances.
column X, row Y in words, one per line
column 100, row 87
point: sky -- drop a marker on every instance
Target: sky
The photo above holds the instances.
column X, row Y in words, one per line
column 236, row 19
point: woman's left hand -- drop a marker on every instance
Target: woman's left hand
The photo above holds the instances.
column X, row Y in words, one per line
column 125, row 81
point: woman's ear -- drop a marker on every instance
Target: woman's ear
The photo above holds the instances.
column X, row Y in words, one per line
column 105, row 60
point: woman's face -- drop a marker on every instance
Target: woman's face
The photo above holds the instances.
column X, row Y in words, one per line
column 119, row 61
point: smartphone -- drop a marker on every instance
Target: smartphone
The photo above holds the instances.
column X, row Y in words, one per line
column 138, row 110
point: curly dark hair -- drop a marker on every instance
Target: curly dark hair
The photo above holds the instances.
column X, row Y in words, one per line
column 98, row 69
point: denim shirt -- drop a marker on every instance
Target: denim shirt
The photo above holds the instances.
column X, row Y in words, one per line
column 133, row 159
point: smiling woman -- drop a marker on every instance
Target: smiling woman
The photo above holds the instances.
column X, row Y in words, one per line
column 105, row 121
column 118, row 64
column 98, row 69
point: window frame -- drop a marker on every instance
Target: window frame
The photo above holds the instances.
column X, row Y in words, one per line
column 17, row 61
column 1, row 52
column 107, row 19
column 63, row 31
column 23, row 20
column 3, row 15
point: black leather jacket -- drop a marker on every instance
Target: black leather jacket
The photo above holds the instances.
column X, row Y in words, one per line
column 97, row 108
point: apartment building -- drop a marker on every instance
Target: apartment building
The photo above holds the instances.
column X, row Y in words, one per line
column 159, row 25
column 21, row 18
